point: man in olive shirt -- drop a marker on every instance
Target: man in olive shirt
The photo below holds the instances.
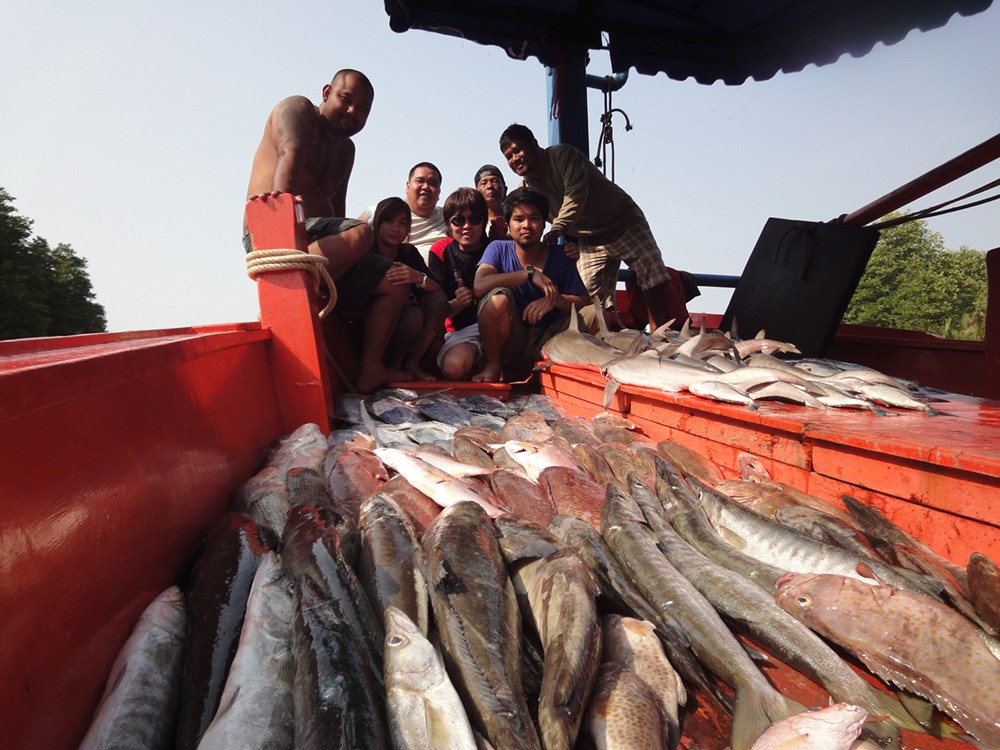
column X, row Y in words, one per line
column 583, row 203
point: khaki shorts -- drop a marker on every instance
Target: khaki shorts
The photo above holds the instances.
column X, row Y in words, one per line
column 598, row 264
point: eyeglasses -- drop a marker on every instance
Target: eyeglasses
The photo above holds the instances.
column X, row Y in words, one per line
column 460, row 219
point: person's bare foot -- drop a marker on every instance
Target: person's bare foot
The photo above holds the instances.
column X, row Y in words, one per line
column 417, row 372
column 371, row 380
column 490, row 374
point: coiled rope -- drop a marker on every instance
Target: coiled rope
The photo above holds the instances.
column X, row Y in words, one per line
column 289, row 259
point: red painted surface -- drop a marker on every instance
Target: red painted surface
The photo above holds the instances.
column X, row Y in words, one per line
column 938, row 477
column 288, row 309
column 116, row 458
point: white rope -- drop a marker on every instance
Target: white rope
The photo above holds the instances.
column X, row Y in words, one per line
column 288, row 259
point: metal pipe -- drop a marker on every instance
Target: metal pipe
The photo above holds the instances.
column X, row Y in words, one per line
column 607, row 83
column 951, row 170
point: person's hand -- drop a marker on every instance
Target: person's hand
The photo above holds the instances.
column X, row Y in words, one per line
column 552, row 236
column 498, row 229
column 535, row 310
column 273, row 194
column 572, row 249
column 464, row 297
column 548, row 288
column 400, row 273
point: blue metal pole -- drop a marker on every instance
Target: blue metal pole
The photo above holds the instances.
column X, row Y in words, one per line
column 567, row 93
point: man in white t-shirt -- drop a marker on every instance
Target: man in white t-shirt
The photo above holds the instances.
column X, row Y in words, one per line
column 423, row 190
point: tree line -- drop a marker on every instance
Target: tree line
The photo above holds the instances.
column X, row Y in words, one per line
column 44, row 290
column 914, row 282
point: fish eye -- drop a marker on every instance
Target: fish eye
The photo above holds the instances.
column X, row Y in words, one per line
column 803, row 602
column 395, row 640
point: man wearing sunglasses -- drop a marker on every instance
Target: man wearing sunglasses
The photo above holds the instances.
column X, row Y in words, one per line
column 584, row 203
column 526, row 290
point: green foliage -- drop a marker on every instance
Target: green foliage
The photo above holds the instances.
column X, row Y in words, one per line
column 43, row 291
column 912, row 281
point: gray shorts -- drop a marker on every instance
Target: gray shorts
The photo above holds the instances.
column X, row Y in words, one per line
column 319, row 226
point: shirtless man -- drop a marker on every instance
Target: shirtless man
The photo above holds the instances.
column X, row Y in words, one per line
column 307, row 151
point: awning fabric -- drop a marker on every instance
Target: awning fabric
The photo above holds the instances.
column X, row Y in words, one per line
column 708, row 40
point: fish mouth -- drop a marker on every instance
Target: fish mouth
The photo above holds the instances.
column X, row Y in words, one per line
column 785, row 579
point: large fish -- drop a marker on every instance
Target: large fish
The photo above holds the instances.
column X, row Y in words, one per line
column 356, row 474
column 625, row 713
column 573, row 347
column 337, row 702
column 479, row 622
column 528, row 426
column 255, row 711
column 306, row 447
column 217, row 602
column 688, row 517
column 914, row 641
column 522, row 498
column 771, row 542
column 264, row 498
column 438, row 485
column 689, row 462
column 573, row 492
column 984, row 588
column 561, row 593
column 536, row 457
column 139, row 704
column 422, row 705
column 420, row 508
column 832, row 728
column 621, row 595
column 774, row 629
column 757, row 703
column 633, row 644
column 891, row 540
column 390, row 566
column 310, row 548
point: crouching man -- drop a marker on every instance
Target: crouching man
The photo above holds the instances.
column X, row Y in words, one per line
column 526, row 290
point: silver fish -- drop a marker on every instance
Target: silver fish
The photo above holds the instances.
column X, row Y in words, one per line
column 390, row 565
column 772, row 628
column 757, row 703
column 256, row 706
column 422, row 706
column 139, row 704
column 479, row 622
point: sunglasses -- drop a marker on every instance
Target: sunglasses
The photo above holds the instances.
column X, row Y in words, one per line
column 473, row 219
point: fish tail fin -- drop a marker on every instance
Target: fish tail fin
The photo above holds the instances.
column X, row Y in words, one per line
column 609, row 391
column 756, row 709
column 574, row 323
column 368, row 422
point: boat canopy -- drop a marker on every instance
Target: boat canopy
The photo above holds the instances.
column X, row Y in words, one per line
column 708, row 40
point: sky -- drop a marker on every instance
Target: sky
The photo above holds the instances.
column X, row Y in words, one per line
column 127, row 131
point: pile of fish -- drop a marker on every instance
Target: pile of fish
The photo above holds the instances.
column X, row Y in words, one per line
column 720, row 367
column 473, row 573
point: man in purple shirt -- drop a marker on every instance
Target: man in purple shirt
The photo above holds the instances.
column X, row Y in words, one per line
column 526, row 291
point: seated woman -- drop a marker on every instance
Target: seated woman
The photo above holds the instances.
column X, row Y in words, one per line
column 422, row 320
column 455, row 270
column 526, row 291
